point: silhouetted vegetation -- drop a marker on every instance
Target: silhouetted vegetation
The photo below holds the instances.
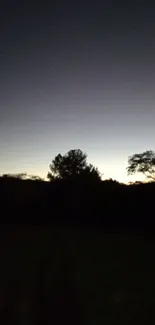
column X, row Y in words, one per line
column 75, row 246
column 72, row 165
column 77, row 195
column 21, row 176
column 142, row 163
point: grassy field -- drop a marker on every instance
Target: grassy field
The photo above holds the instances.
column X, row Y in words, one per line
column 112, row 276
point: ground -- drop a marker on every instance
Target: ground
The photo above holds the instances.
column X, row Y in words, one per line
column 111, row 276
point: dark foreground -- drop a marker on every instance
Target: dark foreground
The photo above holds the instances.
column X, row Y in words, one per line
column 76, row 253
column 105, row 205
column 65, row 274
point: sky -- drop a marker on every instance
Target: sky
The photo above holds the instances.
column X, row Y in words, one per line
column 76, row 75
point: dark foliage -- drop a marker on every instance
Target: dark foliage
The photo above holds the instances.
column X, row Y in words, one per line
column 79, row 201
column 72, row 164
column 142, row 163
column 104, row 206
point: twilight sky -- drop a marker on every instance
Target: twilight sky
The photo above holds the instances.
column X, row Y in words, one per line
column 76, row 75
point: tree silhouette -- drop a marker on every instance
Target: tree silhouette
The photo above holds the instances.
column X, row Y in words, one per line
column 72, row 164
column 142, row 163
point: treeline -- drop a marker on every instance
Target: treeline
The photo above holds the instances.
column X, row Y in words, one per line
column 76, row 194
column 74, row 164
column 106, row 204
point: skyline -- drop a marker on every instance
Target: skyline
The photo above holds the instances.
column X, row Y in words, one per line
column 81, row 77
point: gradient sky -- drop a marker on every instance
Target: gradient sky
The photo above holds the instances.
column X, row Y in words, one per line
column 76, row 75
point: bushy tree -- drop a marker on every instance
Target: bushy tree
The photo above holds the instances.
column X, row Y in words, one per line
column 142, row 163
column 72, row 164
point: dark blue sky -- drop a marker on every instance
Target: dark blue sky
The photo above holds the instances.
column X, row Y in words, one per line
column 76, row 75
